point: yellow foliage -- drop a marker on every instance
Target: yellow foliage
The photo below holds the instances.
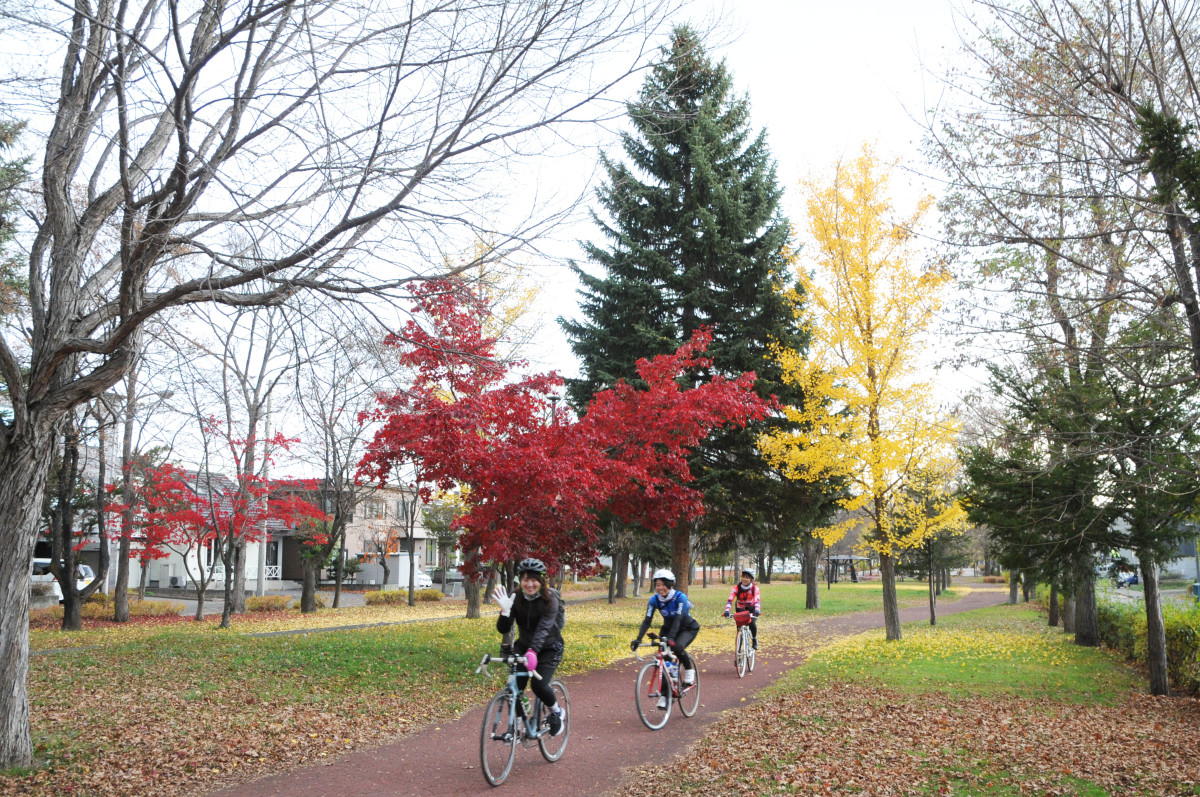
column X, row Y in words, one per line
column 868, row 418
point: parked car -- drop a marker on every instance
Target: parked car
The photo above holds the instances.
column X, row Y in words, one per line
column 1126, row 578
column 42, row 575
column 83, row 575
column 439, row 574
column 41, row 579
column 423, row 581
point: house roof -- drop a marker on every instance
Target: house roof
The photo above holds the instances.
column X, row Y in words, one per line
column 206, row 483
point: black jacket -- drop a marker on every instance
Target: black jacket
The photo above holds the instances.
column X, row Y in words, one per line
column 536, row 624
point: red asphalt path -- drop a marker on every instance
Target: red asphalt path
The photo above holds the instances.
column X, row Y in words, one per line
column 606, row 734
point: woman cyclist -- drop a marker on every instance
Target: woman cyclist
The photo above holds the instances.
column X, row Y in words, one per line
column 535, row 611
column 679, row 628
column 745, row 598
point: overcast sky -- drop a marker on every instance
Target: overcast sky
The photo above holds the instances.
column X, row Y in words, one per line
column 822, row 78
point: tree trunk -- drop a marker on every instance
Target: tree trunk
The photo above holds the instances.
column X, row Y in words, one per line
column 338, row 573
column 121, row 589
column 308, row 595
column 22, row 486
column 1156, row 635
column 612, row 582
column 681, row 540
column 201, row 593
column 946, row 583
column 227, row 559
column 1053, row 620
column 1068, row 614
column 63, row 553
column 891, row 609
column 471, row 592
column 1026, row 586
column 808, row 570
column 932, row 590
column 621, row 567
column 412, row 566
column 142, row 575
column 1087, row 620
column 1014, row 579
column 239, row 577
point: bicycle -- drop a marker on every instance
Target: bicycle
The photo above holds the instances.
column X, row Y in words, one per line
column 648, row 689
column 743, row 645
column 507, row 721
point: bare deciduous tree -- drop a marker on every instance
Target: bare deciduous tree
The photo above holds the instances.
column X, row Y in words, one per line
column 343, row 141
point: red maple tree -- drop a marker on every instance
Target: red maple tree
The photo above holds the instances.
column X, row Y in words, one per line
column 535, row 476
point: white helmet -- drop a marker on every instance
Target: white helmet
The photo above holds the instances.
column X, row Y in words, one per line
column 664, row 574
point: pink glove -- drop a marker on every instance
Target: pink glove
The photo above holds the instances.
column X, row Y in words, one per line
column 531, row 661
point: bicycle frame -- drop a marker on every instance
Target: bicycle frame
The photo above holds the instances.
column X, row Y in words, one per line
column 743, row 650
column 530, row 730
column 649, row 686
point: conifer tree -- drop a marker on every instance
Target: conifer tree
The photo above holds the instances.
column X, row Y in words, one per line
column 694, row 238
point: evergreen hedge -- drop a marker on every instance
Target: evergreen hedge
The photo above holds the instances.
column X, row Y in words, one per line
column 1123, row 628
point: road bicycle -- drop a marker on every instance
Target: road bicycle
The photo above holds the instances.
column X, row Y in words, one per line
column 509, row 720
column 743, row 644
column 648, row 690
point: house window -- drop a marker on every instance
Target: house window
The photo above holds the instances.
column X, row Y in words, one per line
column 376, row 509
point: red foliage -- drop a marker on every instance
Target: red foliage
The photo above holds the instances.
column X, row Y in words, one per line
column 535, row 485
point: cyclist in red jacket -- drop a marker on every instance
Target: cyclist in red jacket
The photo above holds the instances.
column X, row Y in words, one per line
column 745, row 598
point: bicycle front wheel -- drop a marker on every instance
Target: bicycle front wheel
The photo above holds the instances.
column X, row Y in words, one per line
column 498, row 742
column 741, row 654
column 751, row 652
column 553, row 746
column 647, row 695
column 689, row 695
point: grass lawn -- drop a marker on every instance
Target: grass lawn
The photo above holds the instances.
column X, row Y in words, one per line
column 989, row 702
column 171, row 707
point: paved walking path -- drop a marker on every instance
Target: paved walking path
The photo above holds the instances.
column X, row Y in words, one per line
column 606, row 734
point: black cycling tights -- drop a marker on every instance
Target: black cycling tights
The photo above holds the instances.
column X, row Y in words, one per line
column 681, row 641
column 541, row 688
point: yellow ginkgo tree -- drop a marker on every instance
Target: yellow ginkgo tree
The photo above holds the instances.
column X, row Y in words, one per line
column 868, row 418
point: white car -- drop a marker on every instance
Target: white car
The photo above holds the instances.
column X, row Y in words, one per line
column 42, row 575
column 423, row 581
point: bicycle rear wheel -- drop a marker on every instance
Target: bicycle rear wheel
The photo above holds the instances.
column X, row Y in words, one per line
column 689, row 695
column 741, row 655
column 553, row 746
column 498, row 742
column 647, row 693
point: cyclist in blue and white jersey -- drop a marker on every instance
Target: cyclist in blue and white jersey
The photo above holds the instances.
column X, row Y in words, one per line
column 679, row 628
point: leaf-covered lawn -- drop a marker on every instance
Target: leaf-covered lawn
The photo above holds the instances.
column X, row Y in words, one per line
column 177, row 707
column 989, row 702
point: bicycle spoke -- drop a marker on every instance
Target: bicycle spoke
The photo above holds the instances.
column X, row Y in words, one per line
column 553, row 746
column 647, row 692
column 498, row 739
column 689, row 696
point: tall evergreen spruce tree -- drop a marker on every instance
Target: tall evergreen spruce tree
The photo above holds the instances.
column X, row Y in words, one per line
column 694, row 238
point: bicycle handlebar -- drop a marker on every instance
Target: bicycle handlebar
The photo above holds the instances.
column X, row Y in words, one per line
column 510, row 660
column 655, row 643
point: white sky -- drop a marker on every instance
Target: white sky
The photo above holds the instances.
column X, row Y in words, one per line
column 822, row 78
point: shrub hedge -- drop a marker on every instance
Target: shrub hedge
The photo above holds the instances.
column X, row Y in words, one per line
column 1123, row 627
column 267, row 603
column 396, row 597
